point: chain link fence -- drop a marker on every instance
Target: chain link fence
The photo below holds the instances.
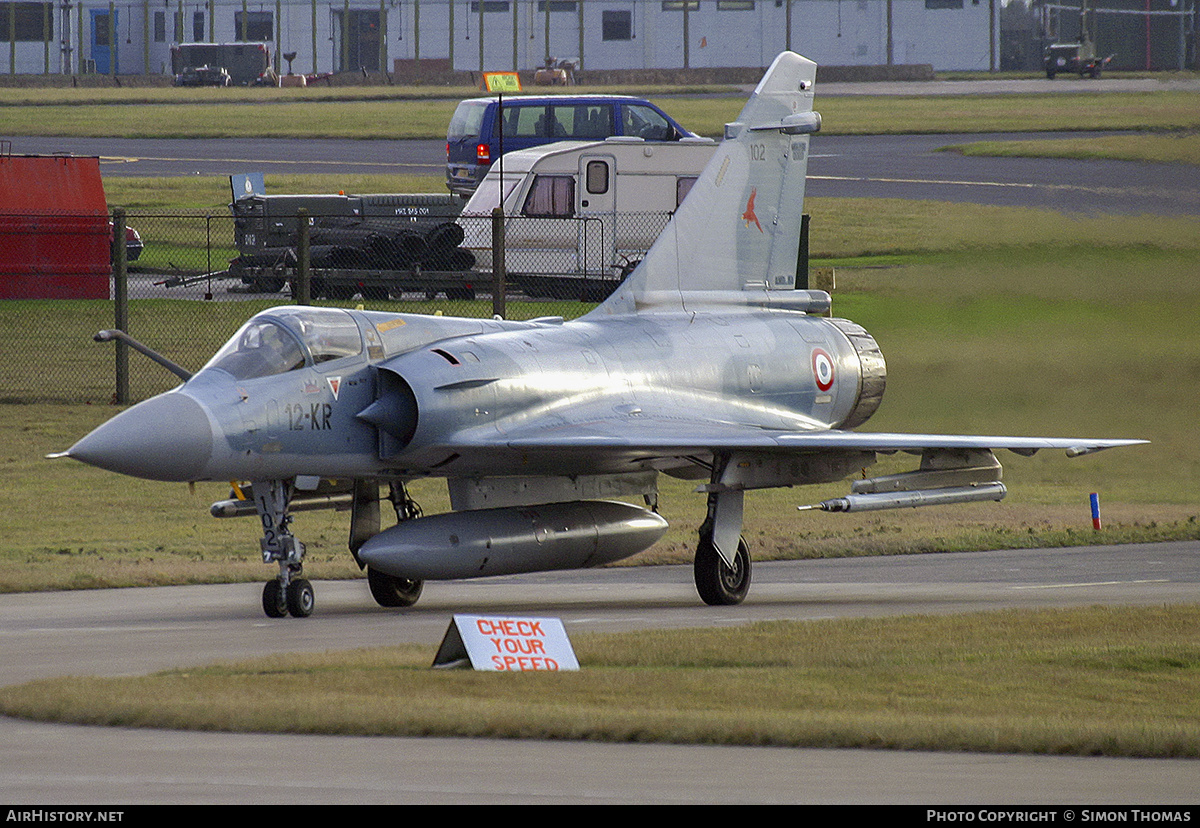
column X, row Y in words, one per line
column 193, row 278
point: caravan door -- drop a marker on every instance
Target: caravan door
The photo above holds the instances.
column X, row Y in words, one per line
column 597, row 207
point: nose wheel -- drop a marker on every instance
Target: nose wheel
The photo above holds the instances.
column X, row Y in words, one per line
column 296, row 598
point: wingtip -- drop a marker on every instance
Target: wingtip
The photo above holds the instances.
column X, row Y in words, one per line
column 1079, row 451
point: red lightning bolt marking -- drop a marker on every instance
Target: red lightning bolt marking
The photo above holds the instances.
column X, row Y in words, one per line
column 749, row 215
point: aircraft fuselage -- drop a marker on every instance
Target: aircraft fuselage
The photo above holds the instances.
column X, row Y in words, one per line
column 775, row 370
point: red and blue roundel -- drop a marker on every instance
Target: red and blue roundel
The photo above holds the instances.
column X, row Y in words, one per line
column 822, row 368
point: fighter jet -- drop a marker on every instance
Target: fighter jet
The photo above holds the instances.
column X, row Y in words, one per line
column 707, row 364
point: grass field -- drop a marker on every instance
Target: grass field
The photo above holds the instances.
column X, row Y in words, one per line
column 1182, row 147
column 140, row 113
column 1097, row 681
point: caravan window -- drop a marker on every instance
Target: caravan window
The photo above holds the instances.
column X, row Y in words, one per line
column 683, row 186
column 597, row 177
column 551, row 196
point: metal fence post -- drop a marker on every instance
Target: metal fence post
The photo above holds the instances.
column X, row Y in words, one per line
column 499, row 276
column 121, row 302
column 303, row 288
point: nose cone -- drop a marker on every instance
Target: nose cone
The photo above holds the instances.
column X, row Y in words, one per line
column 167, row 437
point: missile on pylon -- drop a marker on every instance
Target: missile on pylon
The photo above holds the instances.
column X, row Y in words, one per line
column 478, row 543
column 910, row 499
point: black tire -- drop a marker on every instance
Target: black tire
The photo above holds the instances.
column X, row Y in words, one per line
column 268, row 284
column 274, row 601
column 390, row 591
column 300, row 598
column 719, row 584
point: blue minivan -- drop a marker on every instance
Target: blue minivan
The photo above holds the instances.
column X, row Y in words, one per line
column 473, row 139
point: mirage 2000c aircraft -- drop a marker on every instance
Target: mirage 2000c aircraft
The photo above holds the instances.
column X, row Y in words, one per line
column 706, row 364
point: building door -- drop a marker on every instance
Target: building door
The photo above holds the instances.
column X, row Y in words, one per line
column 104, row 56
column 356, row 41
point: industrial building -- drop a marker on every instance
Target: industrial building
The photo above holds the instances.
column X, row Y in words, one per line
column 76, row 37
column 135, row 38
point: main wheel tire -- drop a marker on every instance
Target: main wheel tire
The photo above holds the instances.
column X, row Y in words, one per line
column 300, row 598
column 718, row 583
column 390, row 591
column 274, row 600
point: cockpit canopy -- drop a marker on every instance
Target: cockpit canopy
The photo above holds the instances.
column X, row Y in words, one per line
column 285, row 339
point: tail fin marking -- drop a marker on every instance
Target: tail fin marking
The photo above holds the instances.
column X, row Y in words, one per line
column 738, row 230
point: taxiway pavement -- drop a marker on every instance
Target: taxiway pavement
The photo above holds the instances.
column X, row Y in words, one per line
column 134, row 631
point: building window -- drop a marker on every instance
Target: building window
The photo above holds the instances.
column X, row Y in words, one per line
column 490, row 6
column 616, row 25
column 943, row 4
column 678, row 5
column 735, row 5
column 259, row 27
column 197, row 26
column 160, row 27
column 33, row 21
column 556, row 6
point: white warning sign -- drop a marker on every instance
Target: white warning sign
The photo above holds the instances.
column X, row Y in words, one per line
column 501, row 643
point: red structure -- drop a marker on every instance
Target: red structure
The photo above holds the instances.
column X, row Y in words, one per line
column 54, row 228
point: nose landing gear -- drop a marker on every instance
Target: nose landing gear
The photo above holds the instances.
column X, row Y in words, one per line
column 289, row 593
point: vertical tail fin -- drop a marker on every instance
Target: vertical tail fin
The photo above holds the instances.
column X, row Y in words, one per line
column 738, row 230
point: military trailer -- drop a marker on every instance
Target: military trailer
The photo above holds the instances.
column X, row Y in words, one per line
column 372, row 245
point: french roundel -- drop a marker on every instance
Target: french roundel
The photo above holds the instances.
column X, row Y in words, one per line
column 822, row 367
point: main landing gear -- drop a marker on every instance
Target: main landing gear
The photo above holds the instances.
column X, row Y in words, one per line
column 289, row 593
column 718, row 583
column 387, row 590
column 721, row 582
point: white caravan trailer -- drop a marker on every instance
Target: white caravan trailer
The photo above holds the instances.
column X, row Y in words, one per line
column 579, row 213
